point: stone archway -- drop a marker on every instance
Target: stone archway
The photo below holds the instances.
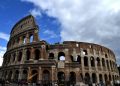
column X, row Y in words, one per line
column 92, row 60
column 28, row 54
column 98, row 62
column 105, row 77
column 100, row 77
column 16, row 75
column 72, row 78
column 87, row 78
column 24, row 76
column 86, row 61
column 37, row 54
column 51, row 56
column 10, row 75
column 61, row 78
column 61, row 56
column 46, row 78
column 34, row 76
column 94, row 78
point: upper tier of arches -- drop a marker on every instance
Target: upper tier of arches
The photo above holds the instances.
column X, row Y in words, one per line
column 24, row 24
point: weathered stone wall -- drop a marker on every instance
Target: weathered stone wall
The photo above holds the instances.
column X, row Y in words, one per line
column 29, row 58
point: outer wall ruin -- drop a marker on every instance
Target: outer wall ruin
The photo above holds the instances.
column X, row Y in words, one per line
column 33, row 60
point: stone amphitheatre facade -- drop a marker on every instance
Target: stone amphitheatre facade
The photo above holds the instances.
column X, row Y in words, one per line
column 33, row 60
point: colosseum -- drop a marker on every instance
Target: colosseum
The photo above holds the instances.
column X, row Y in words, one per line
column 70, row 63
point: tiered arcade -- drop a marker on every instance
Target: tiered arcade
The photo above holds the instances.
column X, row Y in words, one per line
column 33, row 60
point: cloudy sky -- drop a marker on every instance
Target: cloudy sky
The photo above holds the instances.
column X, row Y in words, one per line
column 96, row 21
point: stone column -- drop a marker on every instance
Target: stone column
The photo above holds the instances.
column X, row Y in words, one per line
column 40, row 74
column 53, row 73
column 89, row 63
column 21, row 40
column 23, row 56
column 13, row 74
column 27, row 38
column 67, row 59
column 32, row 54
column 101, row 64
column 20, row 74
column 67, row 74
column 103, row 78
column 109, row 65
column 97, row 76
column 96, row 67
column 82, row 66
column 16, row 57
column 111, row 77
column 77, row 76
column 35, row 36
column 11, row 59
column 90, row 77
column 44, row 56
column 29, row 74
column 41, row 54
column 108, row 78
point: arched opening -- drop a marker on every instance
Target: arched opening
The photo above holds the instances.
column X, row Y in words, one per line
column 24, row 77
column 20, row 56
column 18, row 40
column 106, row 56
column 100, row 77
column 71, row 57
column 14, row 55
column 98, row 61
column 8, row 59
column 81, row 77
column 16, row 75
column 103, row 62
column 110, row 78
column 94, row 78
column 13, row 42
column 37, row 54
column 72, row 78
column 92, row 61
column 27, row 55
column 10, row 75
column 34, row 76
column 87, row 78
column 117, row 77
column 31, row 38
column 61, row 56
column 85, row 61
column 46, row 77
column 105, row 77
column 107, row 64
column 61, row 77
column 51, row 55
column 24, row 39
column 5, row 75
column 110, row 64
column 79, row 59
column 85, row 52
column 113, row 77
